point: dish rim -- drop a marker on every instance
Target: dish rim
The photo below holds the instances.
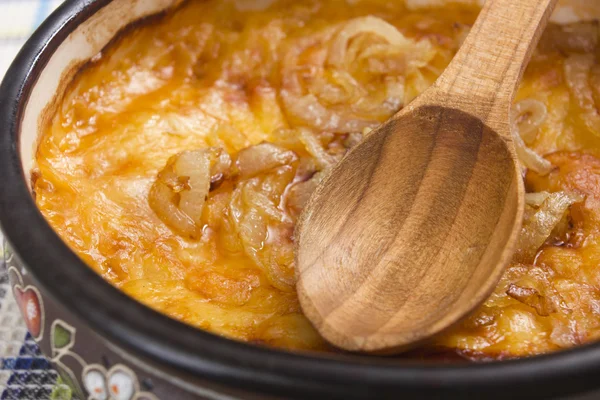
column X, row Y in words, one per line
column 151, row 335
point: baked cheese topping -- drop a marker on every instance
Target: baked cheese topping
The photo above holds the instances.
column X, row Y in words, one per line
column 180, row 158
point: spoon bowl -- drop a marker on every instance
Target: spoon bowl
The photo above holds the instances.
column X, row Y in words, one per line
column 412, row 230
column 437, row 219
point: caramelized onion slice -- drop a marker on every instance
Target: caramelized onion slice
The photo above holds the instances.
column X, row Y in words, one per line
column 529, row 158
column 195, row 166
column 163, row 202
column 263, row 157
column 577, row 70
column 539, row 226
column 268, row 245
column 368, row 24
column 308, row 111
column 317, row 84
column 536, row 199
column 531, row 297
column 181, row 188
column 314, row 147
column 254, row 197
column 529, row 115
column 336, row 87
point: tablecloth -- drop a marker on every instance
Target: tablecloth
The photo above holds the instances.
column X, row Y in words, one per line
column 24, row 373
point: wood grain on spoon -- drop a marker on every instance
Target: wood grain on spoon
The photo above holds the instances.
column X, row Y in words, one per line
column 413, row 229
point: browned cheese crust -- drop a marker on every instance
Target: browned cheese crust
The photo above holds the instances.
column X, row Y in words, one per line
column 179, row 159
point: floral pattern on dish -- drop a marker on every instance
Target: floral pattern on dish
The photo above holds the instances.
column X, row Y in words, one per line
column 96, row 383
column 30, row 303
column 118, row 383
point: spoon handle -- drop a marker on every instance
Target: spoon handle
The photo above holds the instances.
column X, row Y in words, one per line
column 490, row 63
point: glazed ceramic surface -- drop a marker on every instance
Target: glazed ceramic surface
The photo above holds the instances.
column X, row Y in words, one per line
column 107, row 346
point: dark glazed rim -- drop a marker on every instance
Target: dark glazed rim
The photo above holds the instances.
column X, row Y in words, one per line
column 189, row 351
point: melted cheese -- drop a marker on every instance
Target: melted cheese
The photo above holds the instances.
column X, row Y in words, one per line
column 215, row 74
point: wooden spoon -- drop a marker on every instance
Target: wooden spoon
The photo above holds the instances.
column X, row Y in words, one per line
column 412, row 230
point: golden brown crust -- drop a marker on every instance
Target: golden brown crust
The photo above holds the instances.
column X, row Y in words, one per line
column 209, row 75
